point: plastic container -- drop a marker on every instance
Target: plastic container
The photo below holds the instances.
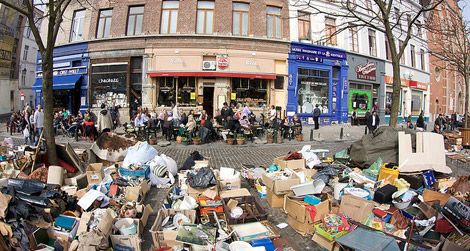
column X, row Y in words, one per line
column 266, row 243
column 143, row 172
column 389, row 172
column 252, row 210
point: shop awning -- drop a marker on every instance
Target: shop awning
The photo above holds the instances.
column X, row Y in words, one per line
column 212, row 74
column 59, row 82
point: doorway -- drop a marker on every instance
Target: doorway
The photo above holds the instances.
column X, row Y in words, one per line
column 208, row 100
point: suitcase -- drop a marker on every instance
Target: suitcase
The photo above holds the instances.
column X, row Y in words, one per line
column 383, row 195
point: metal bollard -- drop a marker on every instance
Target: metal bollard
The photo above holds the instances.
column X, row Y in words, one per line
column 311, row 134
column 341, row 133
column 365, row 130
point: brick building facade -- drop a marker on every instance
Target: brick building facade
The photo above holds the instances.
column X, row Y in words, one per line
column 447, row 86
column 198, row 54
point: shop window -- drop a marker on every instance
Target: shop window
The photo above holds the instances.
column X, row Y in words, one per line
column 134, row 20
column 304, row 25
column 186, row 91
column 251, row 92
column 279, row 83
column 169, row 17
column 104, row 23
column 76, row 33
column 136, row 81
column 416, row 102
column 166, row 94
column 330, row 30
column 240, row 19
column 205, row 17
column 313, row 89
column 273, row 22
column 108, row 85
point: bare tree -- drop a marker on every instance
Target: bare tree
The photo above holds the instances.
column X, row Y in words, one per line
column 450, row 44
column 397, row 19
column 54, row 12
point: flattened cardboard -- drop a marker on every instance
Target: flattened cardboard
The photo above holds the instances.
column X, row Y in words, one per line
column 295, row 164
column 234, row 193
column 168, row 237
column 356, row 208
column 275, row 201
column 430, row 195
column 430, row 153
column 210, row 192
column 297, row 209
column 94, row 173
column 230, row 184
column 280, row 187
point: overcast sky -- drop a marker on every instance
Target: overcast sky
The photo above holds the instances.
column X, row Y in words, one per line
column 465, row 5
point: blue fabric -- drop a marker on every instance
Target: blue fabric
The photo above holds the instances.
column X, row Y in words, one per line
column 59, row 82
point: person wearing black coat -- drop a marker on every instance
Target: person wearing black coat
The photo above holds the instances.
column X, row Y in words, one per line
column 373, row 121
column 420, row 121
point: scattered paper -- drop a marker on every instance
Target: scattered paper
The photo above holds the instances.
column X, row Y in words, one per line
column 282, row 225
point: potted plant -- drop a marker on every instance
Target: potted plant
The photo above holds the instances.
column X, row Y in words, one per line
column 196, row 140
column 179, row 139
column 184, row 141
column 152, row 140
column 241, row 140
column 230, row 140
column 299, row 137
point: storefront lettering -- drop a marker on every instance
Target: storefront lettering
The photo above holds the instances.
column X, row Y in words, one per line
column 313, row 83
column 64, row 72
column 176, row 61
column 367, row 71
column 108, row 80
column 309, row 58
column 290, row 79
column 251, row 62
column 321, row 52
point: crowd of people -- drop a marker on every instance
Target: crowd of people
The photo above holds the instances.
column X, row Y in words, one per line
column 29, row 122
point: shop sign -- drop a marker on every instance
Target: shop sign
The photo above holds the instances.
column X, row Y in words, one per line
column 309, row 58
column 418, row 85
column 251, row 62
column 367, row 71
column 222, row 62
column 66, row 71
column 176, row 61
column 313, row 83
column 318, row 52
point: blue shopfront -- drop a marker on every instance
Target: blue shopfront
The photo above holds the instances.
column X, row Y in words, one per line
column 318, row 76
column 70, row 80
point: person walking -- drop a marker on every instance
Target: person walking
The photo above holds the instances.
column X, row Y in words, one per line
column 316, row 116
column 38, row 123
column 373, row 121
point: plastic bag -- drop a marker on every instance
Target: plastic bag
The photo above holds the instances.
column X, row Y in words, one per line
column 141, row 152
column 373, row 170
column 26, row 132
column 310, row 157
column 203, row 178
column 170, row 164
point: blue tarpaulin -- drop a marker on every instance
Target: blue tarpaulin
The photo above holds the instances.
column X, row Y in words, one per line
column 59, row 82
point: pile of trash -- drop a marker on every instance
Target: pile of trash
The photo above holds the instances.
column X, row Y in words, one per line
column 75, row 205
column 411, row 203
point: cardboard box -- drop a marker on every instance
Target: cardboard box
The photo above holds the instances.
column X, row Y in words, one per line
column 230, row 184
column 324, row 243
column 430, row 195
column 146, row 211
column 303, row 228
column 356, row 208
column 64, row 235
column 94, row 173
column 162, row 238
column 280, row 187
column 80, row 181
column 131, row 241
column 297, row 210
column 291, row 164
column 210, row 192
column 275, row 201
column 137, row 193
column 105, row 226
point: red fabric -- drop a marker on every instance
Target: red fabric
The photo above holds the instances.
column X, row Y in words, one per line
column 292, row 156
column 89, row 123
column 67, row 166
column 444, row 227
column 312, row 210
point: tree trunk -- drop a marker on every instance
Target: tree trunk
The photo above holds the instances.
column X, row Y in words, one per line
column 48, row 98
column 395, row 94
column 467, row 103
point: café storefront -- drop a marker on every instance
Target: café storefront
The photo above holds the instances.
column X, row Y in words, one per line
column 198, row 79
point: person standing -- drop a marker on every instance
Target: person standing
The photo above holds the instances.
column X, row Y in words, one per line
column 104, row 119
column 373, row 121
column 38, row 123
column 316, row 116
column 420, row 122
